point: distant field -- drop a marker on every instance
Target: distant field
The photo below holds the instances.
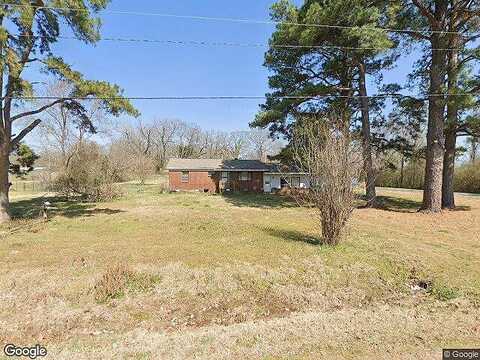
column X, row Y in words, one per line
column 188, row 275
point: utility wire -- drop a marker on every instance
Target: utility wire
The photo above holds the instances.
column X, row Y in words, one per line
column 235, row 44
column 239, row 20
column 235, row 97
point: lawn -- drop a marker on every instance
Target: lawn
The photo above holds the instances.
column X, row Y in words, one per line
column 188, row 275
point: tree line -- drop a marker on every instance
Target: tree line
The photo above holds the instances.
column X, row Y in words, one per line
column 162, row 139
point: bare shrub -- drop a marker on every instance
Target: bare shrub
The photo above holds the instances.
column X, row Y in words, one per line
column 142, row 167
column 324, row 149
column 164, row 188
column 118, row 279
column 89, row 174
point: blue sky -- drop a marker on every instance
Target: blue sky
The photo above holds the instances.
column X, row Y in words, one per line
column 172, row 70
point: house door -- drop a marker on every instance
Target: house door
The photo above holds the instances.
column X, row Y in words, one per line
column 267, row 183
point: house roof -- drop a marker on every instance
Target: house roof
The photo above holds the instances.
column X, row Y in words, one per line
column 252, row 165
column 217, row 164
column 227, row 165
column 284, row 169
column 194, row 164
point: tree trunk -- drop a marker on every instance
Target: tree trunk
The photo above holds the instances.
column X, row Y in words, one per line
column 402, row 169
column 473, row 150
column 366, row 141
column 432, row 192
column 4, row 185
column 448, row 196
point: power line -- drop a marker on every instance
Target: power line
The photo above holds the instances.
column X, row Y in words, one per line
column 246, row 21
column 233, row 97
column 236, row 44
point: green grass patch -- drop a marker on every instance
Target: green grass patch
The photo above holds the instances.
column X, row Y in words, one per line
column 443, row 292
column 120, row 279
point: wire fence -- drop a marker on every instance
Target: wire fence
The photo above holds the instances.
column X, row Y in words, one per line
column 28, row 186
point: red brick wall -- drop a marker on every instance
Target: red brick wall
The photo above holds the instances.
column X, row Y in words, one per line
column 198, row 180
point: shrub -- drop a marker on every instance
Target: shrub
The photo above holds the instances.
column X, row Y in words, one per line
column 324, row 150
column 467, row 178
column 164, row 188
column 89, row 174
column 118, row 279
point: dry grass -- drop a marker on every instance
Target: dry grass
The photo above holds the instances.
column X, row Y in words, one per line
column 196, row 276
column 117, row 280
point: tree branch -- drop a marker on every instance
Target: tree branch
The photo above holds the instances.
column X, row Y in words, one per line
column 425, row 11
column 24, row 133
column 39, row 110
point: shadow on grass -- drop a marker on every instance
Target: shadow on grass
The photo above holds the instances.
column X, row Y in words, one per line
column 292, row 235
column 264, row 201
column 31, row 208
column 398, row 204
column 391, row 203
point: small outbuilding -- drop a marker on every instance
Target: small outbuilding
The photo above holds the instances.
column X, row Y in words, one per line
column 216, row 175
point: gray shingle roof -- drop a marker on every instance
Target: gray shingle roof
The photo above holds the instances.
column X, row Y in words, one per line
column 194, row 164
column 283, row 169
column 217, row 164
column 227, row 165
column 255, row 165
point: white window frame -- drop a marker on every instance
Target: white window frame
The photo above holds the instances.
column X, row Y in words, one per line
column 295, row 181
column 185, row 177
column 245, row 176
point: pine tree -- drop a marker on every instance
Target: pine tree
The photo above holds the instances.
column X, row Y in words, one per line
column 27, row 32
column 329, row 66
column 439, row 25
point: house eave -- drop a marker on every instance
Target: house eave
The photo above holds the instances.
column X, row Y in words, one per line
column 220, row 170
column 186, row 169
column 285, row 173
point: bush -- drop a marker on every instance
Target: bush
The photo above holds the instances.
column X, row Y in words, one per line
column 324, row 150
column 467, row 178
column 88, row 174
column 413, row 176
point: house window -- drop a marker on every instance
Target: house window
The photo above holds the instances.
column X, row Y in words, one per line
column 267, row 179
column 295, row 182
column 185, row 176
column 225, row 176
column 244, row 176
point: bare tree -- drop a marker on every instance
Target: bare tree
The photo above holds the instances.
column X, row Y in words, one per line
column 189, row 144
column 62, row 132
column 238, row 144
column 334, row 164
column 164, row 132
column 141, row 148
column 135, row 148
column 261, row 144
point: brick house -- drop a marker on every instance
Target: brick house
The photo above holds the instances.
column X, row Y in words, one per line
column 216, row 175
